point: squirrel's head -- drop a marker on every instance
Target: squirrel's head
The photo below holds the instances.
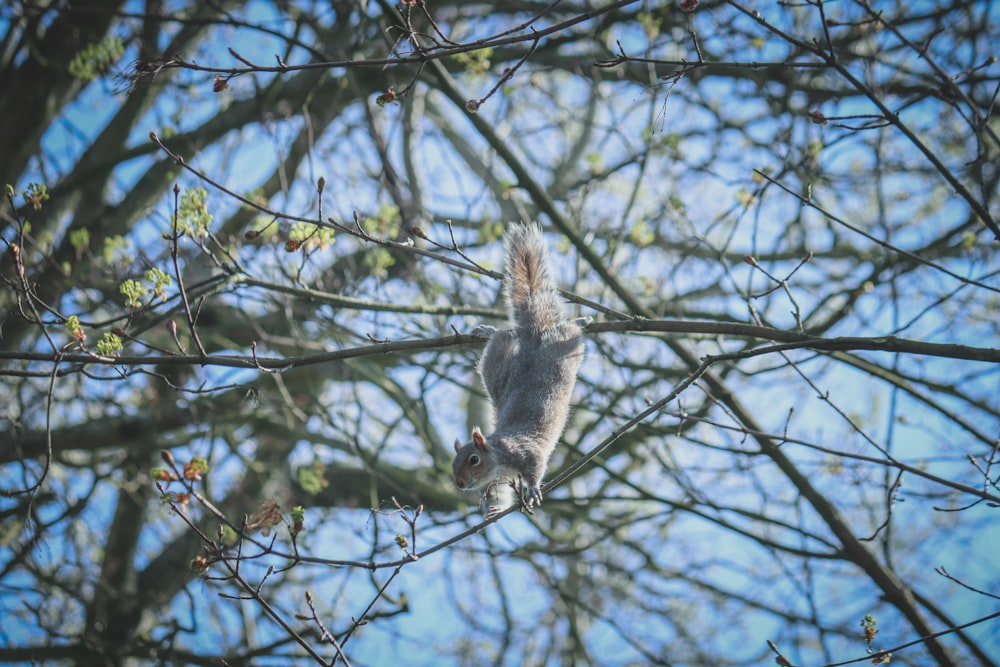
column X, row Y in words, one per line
column 471, row 467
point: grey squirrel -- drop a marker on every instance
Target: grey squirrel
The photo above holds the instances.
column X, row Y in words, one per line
column 529, row 372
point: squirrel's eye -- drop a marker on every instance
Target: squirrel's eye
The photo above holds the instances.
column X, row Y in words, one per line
column 474, row 460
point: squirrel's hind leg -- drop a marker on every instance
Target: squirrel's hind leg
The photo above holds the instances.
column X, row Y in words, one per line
column 496, row 368
column 483, row 331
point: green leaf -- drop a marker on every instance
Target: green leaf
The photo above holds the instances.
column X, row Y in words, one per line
column 159, row 280
column 35, row 195
column 133, row 291
column 79, row 239
column 312, row 479
column 192, row 213
column 96, row 59
column 109, row 345
column 642, row 234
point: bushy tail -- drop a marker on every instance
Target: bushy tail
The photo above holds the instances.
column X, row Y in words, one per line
column 532, row 296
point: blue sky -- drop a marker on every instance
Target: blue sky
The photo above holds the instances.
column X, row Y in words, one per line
column 447, row 584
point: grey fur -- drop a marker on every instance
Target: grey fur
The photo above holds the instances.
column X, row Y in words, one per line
column 529, row 372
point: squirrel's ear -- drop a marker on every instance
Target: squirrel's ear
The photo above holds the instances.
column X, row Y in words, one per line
column 458, row 445
column 478, row 439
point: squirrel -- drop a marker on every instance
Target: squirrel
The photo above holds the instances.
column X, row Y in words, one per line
column 529, row 371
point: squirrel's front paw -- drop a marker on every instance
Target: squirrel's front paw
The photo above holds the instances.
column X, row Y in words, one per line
column 531, row 497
